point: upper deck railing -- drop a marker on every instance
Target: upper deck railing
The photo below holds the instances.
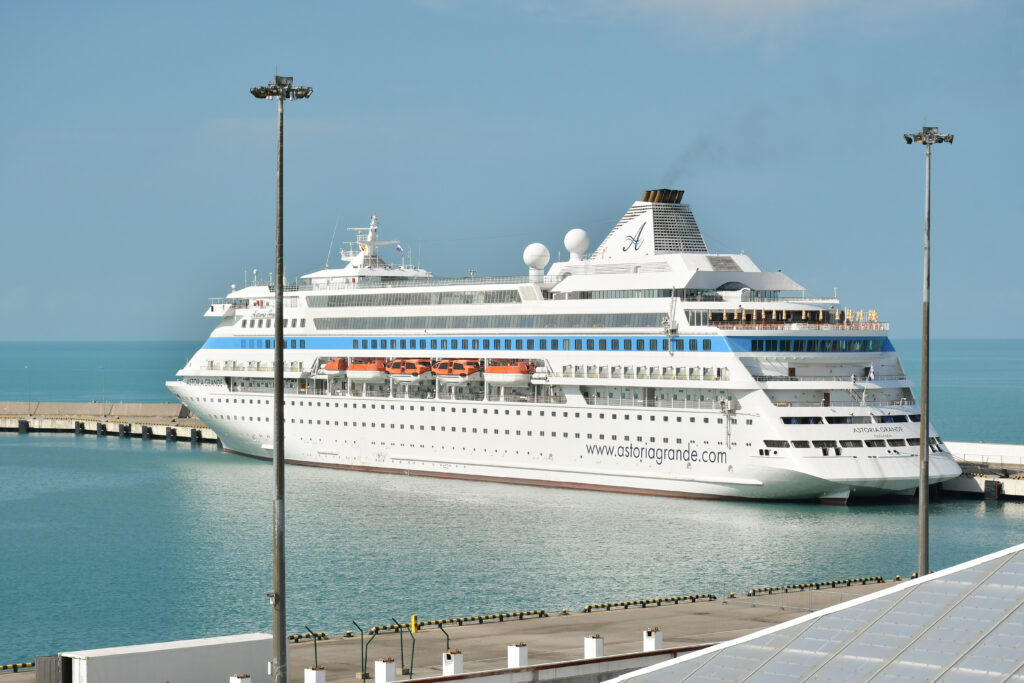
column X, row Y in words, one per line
column 830, row 378
column 878, row 327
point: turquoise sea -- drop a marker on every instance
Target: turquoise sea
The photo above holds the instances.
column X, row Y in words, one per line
column 111, row 542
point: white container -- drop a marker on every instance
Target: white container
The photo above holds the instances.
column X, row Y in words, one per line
column 311, row 675
column 593, row 646
column 451, row 663
column 518, row 655
column 384, row 670
column 652, row 639
column 240, row 678
column 182, row 661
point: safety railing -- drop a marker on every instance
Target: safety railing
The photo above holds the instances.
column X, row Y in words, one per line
column 829, row 378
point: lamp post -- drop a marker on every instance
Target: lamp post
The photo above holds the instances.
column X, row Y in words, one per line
column 928, row 136
column 103, row 392
column 28, row 379
column 282, row 89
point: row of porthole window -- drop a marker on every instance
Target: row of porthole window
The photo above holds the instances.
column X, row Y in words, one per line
column 497, row 411
column 816, row 345
column 534, row 344
column 852, row 443
column 849, row 419
column 258, row 322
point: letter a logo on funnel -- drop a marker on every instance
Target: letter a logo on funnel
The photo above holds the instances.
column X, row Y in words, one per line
column 634, row 240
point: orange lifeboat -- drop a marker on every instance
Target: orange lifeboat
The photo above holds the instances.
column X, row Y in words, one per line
column 337, row 366
column 367, row 370
column 409, row 369
column 510, row 372
column 458, row 371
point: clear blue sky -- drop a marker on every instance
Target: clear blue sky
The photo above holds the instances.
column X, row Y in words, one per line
column 137, row 172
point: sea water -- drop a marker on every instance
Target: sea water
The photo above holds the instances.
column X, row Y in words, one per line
column 111, row 542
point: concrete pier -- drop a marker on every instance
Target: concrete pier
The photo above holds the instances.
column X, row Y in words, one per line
column 556, row 642
column 169, row 421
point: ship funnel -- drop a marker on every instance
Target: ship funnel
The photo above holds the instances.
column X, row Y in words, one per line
column 663, row 196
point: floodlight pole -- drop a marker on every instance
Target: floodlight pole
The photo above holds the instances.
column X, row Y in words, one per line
column 928, row 136
column 281, row 88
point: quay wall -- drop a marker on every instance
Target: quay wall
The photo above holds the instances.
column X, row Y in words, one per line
column 169, row 421
column 993, row 454
column 93, row 409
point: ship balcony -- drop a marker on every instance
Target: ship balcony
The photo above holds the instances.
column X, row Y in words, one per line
column 780, row 326
column 830, row 403
column 830, row 382
column 717, row 404
column 252, row 368
column 625, row 376
column 219, row 310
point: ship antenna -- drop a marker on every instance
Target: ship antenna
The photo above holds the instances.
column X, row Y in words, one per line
column 331, row 248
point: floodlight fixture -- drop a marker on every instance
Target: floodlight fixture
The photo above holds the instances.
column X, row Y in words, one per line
column 281, row 87
column 928, row 135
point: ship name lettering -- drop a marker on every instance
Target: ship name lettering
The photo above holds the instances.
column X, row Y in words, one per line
column 661, row 455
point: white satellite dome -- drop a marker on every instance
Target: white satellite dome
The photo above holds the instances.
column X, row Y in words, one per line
column 536, row 256
column 577, row 242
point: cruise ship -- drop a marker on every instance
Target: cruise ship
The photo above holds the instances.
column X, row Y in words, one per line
column 646, row 365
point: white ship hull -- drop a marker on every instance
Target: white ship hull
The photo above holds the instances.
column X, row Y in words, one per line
column 663, row 460
column 659, row 369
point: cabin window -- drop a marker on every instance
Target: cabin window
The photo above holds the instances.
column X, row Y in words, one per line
column 578, row 344
column 707, row 344
column 543, row 344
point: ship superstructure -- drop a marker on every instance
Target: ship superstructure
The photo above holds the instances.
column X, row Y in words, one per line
column 646, row 366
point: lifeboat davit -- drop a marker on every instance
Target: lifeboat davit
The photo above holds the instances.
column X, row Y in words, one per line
column 367, row 370
column 513, row 373
column 458, row 371
column 337, row 366
column 409, row 369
